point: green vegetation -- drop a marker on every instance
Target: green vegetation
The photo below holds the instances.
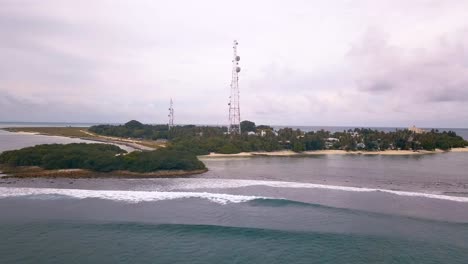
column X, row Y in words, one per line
column 202, row 140
column 132, row 129
column 247, row 126
column 296, row 140
column 100, row 158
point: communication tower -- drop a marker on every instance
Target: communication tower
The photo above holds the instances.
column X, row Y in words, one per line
column 171, row 115
column 234, row 106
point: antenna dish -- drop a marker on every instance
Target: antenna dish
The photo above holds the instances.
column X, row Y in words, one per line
column 238, row 69
column 237, row 58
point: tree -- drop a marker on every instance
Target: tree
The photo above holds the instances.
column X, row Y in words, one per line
column 247, row 126
column 133, row 124
column 264, row 127
column 298, row 146
column 100, row 158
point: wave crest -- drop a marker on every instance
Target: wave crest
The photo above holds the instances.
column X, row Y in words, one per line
column 122, row 196
column 193, row 184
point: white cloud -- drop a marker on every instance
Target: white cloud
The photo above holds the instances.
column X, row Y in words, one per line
column 387, row 63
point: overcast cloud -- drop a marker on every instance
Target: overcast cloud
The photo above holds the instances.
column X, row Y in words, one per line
column 342, row 62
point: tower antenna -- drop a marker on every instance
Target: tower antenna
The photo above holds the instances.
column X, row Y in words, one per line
column 234, row 106
column 171, row 115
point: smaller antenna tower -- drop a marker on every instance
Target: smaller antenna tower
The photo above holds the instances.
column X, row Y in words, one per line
column 171, row 115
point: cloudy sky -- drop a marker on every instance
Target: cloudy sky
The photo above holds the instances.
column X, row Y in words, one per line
column 322, row 62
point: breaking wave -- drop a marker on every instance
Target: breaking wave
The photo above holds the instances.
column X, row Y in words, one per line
column 187, row 188
column 193, row 184
column 122, row 196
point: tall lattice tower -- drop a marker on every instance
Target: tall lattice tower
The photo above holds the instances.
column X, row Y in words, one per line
column 171, row 115
column 234, row 106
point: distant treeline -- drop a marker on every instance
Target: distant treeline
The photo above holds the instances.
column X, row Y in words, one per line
column 132, row 129
column 137, row 130
column 204, row 139
column 100, row 158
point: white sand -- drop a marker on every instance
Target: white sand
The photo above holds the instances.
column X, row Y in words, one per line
column 287, row 153
column 27, row 133
column 460, row 149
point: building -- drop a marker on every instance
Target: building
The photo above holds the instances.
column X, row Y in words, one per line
column 361, row 145
column 416, row 130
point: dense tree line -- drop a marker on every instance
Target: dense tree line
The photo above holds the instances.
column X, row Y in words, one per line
column 297, row 140
column 135, row 129
column 205, row 139
column 373, row 140
column 100, row 158
column 202, row 145
column 132, row 129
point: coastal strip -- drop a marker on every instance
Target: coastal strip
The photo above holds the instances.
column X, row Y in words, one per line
column 36, row 172
column 84, row 134
column 289, row 153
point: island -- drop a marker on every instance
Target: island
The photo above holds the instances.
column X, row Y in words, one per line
column 175, row 152
column 265, row 140
column 78, row 160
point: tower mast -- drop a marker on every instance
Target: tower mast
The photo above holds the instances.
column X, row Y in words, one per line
column 171, row 115
column 234, row 105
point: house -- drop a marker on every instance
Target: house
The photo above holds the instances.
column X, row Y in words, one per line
column 361, row 145
column 416, row 130
column 329, row 142
column 264, row 132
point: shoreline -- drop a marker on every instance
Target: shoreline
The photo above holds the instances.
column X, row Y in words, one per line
column 137, row 145
column 289, row 153
column 92, row 137
column 37, row 172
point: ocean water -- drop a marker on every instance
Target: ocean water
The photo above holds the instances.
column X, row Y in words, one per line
column 321, row 209
column 11, row 141
column 56, row 228
column 45, row 124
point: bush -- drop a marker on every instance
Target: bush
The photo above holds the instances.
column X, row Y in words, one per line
column 100, row 158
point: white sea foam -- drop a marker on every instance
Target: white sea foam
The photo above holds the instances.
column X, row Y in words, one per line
column 123, row 196
column 193, row 184
column 175, row 190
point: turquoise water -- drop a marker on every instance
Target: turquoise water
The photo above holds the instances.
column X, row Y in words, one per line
column 174, row 243
column 59, row 229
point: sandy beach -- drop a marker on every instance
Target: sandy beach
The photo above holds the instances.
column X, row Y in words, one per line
column 460, row 149
column 287, row 153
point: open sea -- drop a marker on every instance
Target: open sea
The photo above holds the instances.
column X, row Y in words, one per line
column 320, row 209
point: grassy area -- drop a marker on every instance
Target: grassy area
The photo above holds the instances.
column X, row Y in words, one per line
column 84, row 133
